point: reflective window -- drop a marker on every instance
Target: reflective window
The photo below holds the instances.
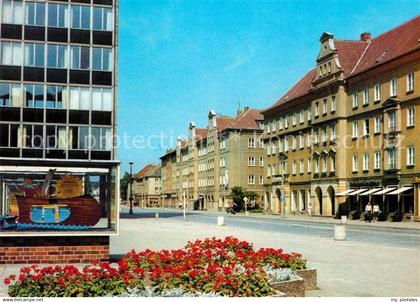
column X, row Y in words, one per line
column 12, row 12
column 35, row 13
column 80, row 58
column 102, row 59
column 79, row 98
column 57, row 97
column 11, row 53
column 102, row 99
column 57, row 15
column 34, row 54
column 10, row 95
column 102, row 18
column 33, row 136
column 56, row 137
column 34, row 96
column 100, row 138
column 57, row 56
column 80, row 17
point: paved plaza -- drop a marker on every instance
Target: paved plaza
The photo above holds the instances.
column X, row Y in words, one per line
column 374, row 261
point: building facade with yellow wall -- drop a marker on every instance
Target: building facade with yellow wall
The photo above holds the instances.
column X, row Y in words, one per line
column 344, row 135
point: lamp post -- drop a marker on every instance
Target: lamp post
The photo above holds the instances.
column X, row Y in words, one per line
column 130, row 212
column 283, row 158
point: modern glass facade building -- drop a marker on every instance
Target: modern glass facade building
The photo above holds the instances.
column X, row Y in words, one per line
column 58, row 86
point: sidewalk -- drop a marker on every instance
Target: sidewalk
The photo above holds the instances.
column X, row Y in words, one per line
column 406, row 225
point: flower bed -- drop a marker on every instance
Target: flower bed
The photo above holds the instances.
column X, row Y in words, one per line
column 227, row 267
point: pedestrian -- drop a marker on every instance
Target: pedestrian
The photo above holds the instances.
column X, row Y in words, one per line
column 310, row 210
column 368, row 215
column 376, row 212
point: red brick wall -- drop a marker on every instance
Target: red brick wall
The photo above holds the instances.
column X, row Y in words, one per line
column 30, row 250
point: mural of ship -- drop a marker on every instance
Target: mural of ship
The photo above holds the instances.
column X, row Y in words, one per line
column 38, row 208
column 82, row 210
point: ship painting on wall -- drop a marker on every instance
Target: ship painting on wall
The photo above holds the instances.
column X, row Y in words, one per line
column 67, row 210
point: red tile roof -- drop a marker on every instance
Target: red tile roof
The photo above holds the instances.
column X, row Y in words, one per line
column 201, row 133
column 223, row 121
column 390, row 45
column 249, row 119
column 143, row 171
column 349, row 53
column 299, row 89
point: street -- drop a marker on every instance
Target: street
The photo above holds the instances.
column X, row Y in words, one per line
column 373, row 261
column 369, row 234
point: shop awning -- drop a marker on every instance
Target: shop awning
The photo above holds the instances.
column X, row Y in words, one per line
column 344, row 193
column 400, row 190
column 384, row 191
column 356, row 192
column 371, row 191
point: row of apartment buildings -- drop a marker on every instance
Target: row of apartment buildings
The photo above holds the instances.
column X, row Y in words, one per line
column 342, row 136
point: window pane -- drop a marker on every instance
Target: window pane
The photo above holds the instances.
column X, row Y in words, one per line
column 30, row 13
column 7, row 15
column 17, row 12
column 108, row 19
column 83, row 138
column 74, row 98
column 39, row 96
column 61, row 137
column 96, row 99
column 29, row 54
column 96, row 138
column 6, row 53
column 107, row 100
column 4, row 135
column 96, row 58
column 52, row 56
column 14, row 134
column 61, row 97
column 84, row 57
column 97, row 18
column 106, row 139
column 17, row 54
column 75, row 16
column 51, row 96
column 75, row 57
column 5, row 95
column 62, row 15
column 84, row 99
column 39, row 55
column 62, row 56
column 52, row 15
column 40, row 14
column 85, row 17
column 106, row 58
column 29, row 98
column 38, row 137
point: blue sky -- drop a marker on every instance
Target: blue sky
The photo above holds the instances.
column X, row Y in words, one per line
column 178, row 59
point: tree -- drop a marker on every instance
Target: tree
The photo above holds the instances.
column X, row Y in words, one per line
column 237, row 195
column 125, row 181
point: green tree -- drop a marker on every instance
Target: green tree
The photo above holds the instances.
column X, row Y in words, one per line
column 238, row 194
column 125, row 181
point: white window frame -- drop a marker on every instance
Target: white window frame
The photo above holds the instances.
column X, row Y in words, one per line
column 36, row 7
column 355, row 99
column 411, row 115
column 251, row 161
column 393, row 87
column 366, row 162
column 366, row 96
column 410, row 81
column 355, row 163
column 12, row 15
column 377, row 160
column 378, row 124
column 377, row 90
column 251, row 142
column 355, row 129
column 411, row 156
column 333, row 104
column 366, row 127
column 301, row 166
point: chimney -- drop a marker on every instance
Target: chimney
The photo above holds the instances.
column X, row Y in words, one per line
column 366, row 37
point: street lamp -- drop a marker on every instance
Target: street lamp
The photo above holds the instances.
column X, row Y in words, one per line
column 130, row 212
column 282, row 158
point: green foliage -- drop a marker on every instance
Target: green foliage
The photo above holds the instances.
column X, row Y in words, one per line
column 125, row 181
column 238, row 194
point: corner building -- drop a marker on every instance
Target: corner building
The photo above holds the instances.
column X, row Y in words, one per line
column 344, row 134
column 58, row 104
